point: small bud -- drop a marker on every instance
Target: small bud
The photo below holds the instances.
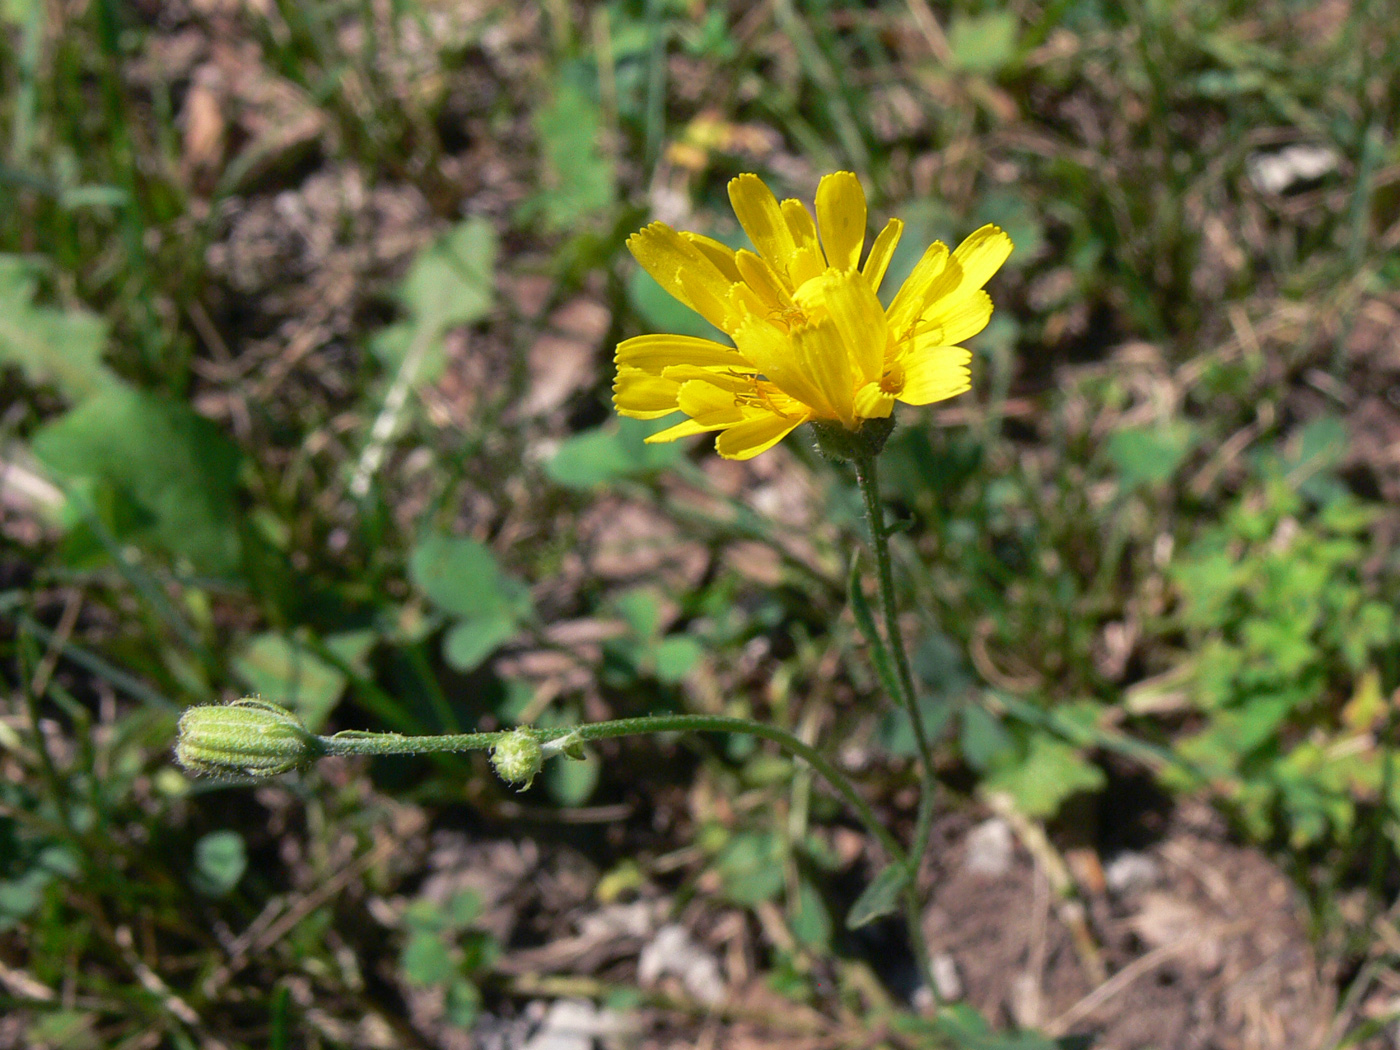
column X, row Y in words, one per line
column 247, row 738
column 517, row 757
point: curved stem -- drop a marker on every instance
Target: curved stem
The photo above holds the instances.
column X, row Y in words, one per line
column 395, row 744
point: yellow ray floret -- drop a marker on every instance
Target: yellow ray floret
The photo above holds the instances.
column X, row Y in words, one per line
column 811, row 342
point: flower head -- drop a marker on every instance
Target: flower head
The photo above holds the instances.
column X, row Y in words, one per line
column 247, row 738
column 811, row 341
column 517, row 757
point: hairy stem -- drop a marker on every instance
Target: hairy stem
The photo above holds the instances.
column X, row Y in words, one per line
column 356, row 743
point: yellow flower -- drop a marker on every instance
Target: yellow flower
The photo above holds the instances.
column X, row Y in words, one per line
column 811, row 341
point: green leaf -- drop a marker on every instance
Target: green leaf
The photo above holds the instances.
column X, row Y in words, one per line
column 751, row 867
column 610, row 453
column 579, row 179
column 463, row 1005
column 287, row 672
column 177, row 470
column 880, row 898
column 452, row 282
column 675, row 657
column 219, row 862
column 809, row 918
column 62, row 347
column 1149, row 455
column 426, row 959
column 471, row 641
column 462, row 909
column 983, row 739
column 1051, row 772
column 462, row 577
column 571, row 781
column 983, row 43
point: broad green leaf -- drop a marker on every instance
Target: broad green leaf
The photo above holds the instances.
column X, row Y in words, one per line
column 579, row 178
column 983, row 43
column 285, row 671
column 463, row 1005
column 62, row 347
column 452, row 282
column 808, row 916
column 675, row 657
column 880, row 898
column 1051, row 772
column 982, row 738
column 472, row 640
column 176, row 468
column 610, row 453
column 462, row 909
column 1148, row 455
column 751, row 867
column 219, row 862
column 426, row 959
column 461, row 576
column 571, row 781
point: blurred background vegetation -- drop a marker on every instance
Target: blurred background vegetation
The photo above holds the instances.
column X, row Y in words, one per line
column 306, row 323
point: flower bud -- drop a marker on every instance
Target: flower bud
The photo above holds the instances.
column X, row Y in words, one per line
column 517, row 757
column 247, row 738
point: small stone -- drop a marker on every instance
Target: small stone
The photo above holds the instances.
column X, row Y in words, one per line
column 946, row 977
column 1130, row 872
column 989, row 848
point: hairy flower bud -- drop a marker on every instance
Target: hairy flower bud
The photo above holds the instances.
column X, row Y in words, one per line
column 517, row 757
column 247, row 738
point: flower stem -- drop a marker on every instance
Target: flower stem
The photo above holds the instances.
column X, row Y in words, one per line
column 868, row 477
column 358, row 743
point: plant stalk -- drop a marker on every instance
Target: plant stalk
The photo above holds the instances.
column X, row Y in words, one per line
column 357, row 743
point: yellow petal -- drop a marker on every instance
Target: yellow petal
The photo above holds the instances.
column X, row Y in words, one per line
column 799, row 221
column 825, row 362
column 643, row 396
column 746, row 440
column 652, row 353
column 722, row 380
column 720, row 254
column 878, row 261
column 982, row 254
column 912, row 296
column 972, row 265
column 852, row 306
column 873, row 403
column 953, row 321
column 682, row 269
column 707, row 299
column 709, row 405
column 935, row 375
column 807, row 261
column 773, row 352
column 762, row 219
column 685, row 428
column 841, row 219
column 759, row 276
